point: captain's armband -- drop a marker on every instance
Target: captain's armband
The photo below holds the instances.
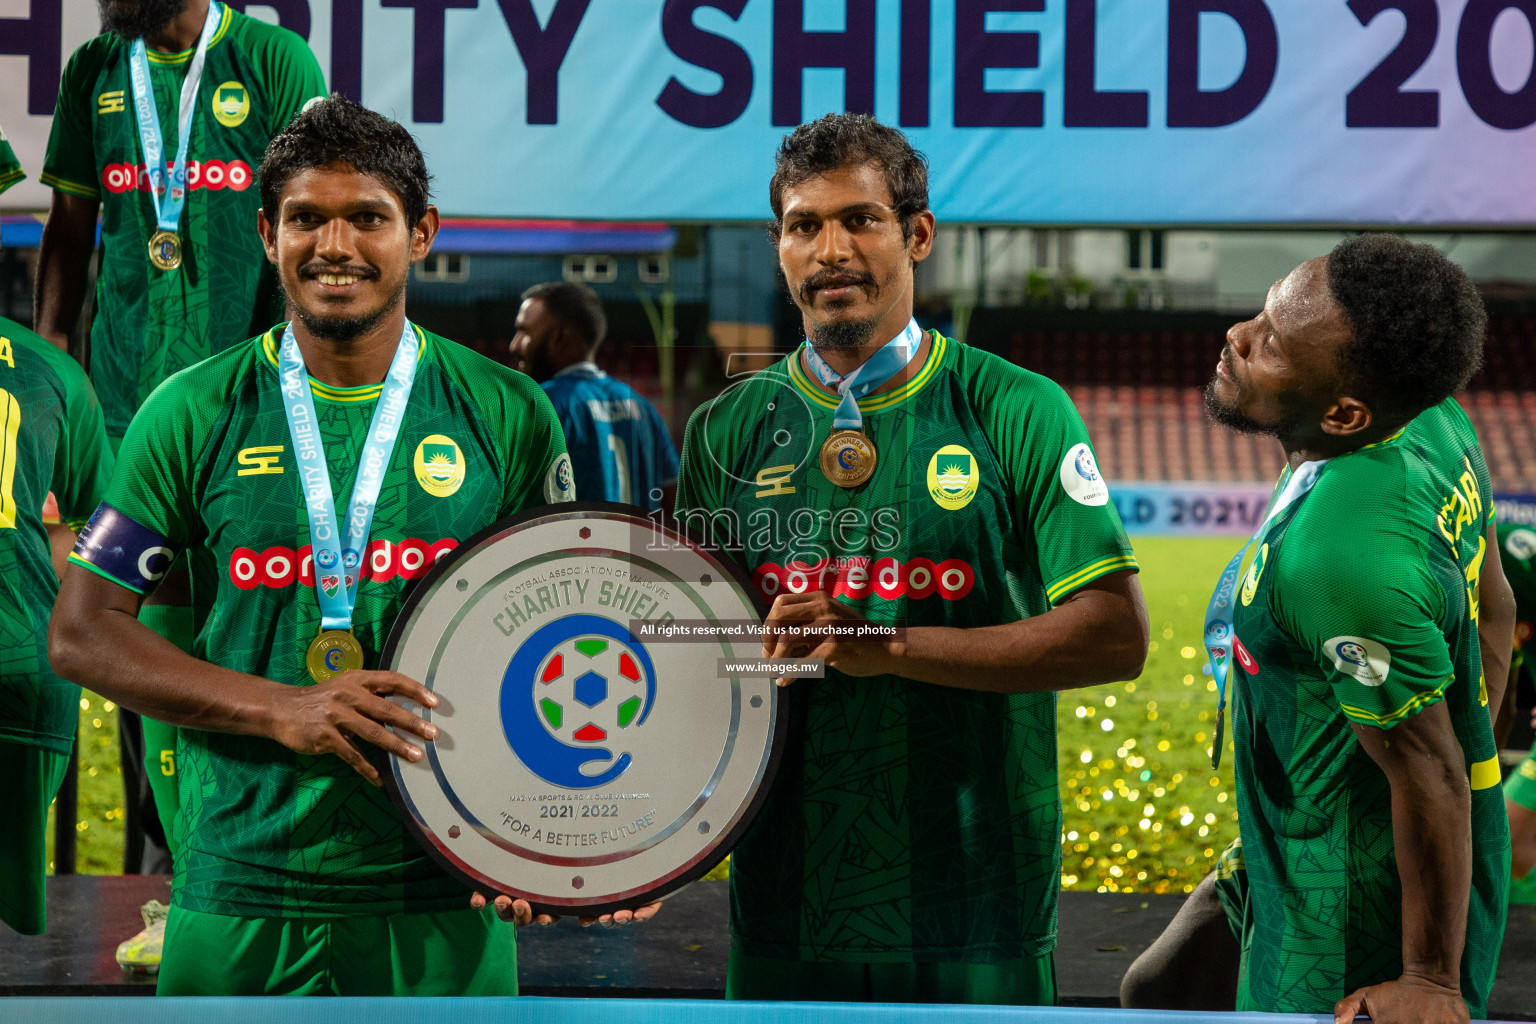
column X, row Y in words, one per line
column 125, row 552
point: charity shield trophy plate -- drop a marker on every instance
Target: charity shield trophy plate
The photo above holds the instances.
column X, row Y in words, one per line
column 591, row 756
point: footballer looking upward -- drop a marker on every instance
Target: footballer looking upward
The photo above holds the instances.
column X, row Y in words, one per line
column 1373, row 630
column 296, row 874
column 910, row 847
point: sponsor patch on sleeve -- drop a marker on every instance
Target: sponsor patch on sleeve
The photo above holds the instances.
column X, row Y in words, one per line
column 559, row 485
column 1366, row 660
column 1081, row 479
column 122, row 550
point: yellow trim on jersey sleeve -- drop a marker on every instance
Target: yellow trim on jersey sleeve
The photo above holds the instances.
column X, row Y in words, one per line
column 77, row 560
column 73, row 188
column 1413, row 705
column 11, row 177
column 1088, row 574
column 186, row 55
column 873, row 403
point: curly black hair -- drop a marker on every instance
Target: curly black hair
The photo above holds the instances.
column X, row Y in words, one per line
column 335, row 130
column 1416, row 320
column 843, row 140
column 575, row 305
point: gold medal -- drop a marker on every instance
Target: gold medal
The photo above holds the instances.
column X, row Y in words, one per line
column 848, row 458
column 331, row 653
column 165, row 250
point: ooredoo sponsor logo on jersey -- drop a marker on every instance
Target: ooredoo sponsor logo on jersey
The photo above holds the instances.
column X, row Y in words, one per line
column 280, row 567
column 234, row 175
column 854, row 578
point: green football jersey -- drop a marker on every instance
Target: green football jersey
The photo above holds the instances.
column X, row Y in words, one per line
column 1517, row 552
column 51, row 439
column 208, row 469
column 10, row 167
column 151, row 323
column 1361, row 607
column 908, row 821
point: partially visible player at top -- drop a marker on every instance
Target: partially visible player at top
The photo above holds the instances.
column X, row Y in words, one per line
column 910, row 847
column 182, row 274
column 619, row 445
column 296, row 874
column 1517, row 550
column 1372, row 644
column 51, row 439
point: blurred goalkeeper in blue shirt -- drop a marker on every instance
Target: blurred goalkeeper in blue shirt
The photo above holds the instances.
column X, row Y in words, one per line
column 619, row 446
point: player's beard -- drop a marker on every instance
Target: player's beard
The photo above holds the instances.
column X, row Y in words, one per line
column 1232, row 417
column 842, row 335
column 135, row 19
column 346, row 328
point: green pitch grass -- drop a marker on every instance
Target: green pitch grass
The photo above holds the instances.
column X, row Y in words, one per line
column 1143, row 810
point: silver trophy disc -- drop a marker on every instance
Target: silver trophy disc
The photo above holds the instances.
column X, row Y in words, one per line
column 586, row 760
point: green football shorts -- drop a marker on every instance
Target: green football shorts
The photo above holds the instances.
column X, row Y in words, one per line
column 449, row 953
column 33, row 775
column 1027, row 982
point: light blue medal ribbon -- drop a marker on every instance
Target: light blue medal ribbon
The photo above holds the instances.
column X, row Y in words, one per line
column 869, row 376
column 1220, row 636
column 338, row 563
column 168, row 200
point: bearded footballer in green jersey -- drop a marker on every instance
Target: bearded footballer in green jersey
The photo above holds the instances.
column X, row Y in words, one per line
column 151, row 322
column 295, row 874
column 910, row 847
column 1372, row 643
column 1517, row 551
column 51, row 439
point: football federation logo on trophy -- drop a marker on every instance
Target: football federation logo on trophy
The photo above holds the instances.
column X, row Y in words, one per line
column 570, row 694
column 600, row 740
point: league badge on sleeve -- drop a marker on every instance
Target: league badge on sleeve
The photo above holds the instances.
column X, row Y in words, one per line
column 1366, row 660
column 1081, row 479
column 588, row 758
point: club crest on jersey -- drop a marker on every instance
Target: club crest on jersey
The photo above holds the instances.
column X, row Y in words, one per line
column 1521, row 544
column 953, row 477
column 1256, row 570
column 1081, row 479
column 559, row 484
column 439, row 465
column 231, row 104
column 1366, row 660
column 572, row 691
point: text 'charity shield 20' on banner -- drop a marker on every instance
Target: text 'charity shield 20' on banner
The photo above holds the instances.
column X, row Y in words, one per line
column 1038, row 111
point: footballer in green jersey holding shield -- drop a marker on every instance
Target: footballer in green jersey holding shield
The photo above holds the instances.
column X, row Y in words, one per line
column 295, row 873
column 51, row 439
column 910, row 848
column 1372, row 640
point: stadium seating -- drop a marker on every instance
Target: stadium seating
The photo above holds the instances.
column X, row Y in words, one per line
column 1137, row 384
